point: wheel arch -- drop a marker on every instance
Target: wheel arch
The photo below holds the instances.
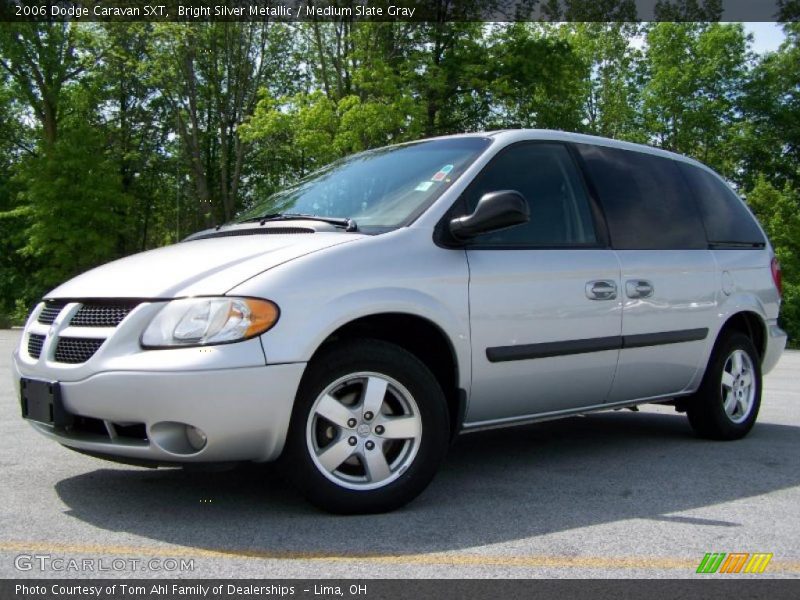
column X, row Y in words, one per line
column 749, row 323
column 746, row 318
column 421, row 337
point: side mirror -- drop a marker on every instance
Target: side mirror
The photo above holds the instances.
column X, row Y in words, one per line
column 495, row 210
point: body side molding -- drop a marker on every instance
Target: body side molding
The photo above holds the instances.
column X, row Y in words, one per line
column 566, row 348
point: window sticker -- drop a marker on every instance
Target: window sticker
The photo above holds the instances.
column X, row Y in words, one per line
column 442, row 173
column 424, row 186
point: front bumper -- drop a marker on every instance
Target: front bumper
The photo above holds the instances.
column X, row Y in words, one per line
column 244, row 412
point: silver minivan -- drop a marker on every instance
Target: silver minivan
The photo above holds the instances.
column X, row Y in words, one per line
column 355, row 323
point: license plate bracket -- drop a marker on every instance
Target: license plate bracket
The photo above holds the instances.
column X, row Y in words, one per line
column 41, row 402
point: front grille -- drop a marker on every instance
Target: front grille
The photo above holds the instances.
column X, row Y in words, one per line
column 89, row 426
column 93, row 429
column 89, row 317
column 35, row 343
column 101, row 315
column 134, row 431
column 50, row 311
column 76, row 350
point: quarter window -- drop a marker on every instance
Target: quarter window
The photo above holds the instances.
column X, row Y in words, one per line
column 646, row 200
column 727, row 220
column 547, row 177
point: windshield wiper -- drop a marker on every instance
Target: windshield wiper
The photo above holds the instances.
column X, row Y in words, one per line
column 348, row 224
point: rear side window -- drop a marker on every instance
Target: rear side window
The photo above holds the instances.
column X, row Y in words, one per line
column 647, row 202
column 726, row 218
column 548, row 178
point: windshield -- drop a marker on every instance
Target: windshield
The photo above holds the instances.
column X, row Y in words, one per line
column 379, row 188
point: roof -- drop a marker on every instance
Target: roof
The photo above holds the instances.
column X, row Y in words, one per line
column 508, row 136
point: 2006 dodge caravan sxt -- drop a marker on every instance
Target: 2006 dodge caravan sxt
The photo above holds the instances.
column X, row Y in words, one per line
column 353, row 323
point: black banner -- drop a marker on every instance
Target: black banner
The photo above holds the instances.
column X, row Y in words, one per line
column 457, row 589
column 400, row 10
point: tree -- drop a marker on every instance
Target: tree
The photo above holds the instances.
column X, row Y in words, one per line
column 788, row 10
column 590, row 10
column 539, row 79
column 450, row 75
column 210, row 75
column 695, row 75
column 778, row 210
column 42, row 59
column 770, row 143
column 612, row 68
column 45, row 65
column 72, row 194
column 688, row 10
column 134, row 124
column 15, row 143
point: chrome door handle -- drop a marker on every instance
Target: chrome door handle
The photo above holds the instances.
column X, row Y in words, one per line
column 638, row 288
column 603, row 289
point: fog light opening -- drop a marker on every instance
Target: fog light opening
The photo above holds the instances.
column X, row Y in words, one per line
column 178, row 438
column 196, row 437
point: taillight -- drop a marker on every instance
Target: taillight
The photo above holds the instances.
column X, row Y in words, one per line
column 776, row 275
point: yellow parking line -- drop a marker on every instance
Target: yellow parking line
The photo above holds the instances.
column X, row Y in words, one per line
column 436, row 558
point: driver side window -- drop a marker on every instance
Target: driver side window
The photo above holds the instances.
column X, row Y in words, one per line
column 547, row 177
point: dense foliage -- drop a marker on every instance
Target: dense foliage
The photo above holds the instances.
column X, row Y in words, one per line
column 121, row 137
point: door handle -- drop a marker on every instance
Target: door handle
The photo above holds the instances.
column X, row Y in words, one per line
column 638, row 288
column 603, row 289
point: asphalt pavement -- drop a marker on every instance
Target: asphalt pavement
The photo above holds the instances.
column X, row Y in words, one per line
column 617, row 494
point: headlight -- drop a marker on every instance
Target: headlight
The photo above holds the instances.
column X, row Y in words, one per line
column 203, row 321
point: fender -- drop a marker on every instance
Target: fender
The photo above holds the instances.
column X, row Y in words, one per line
column 350, row 307
column 420, row 280
column 738, row 302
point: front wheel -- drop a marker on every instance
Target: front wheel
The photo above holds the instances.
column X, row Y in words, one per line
column 726, row 405
column 369, row 428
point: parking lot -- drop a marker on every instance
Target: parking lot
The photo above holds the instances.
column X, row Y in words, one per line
column 618, row 494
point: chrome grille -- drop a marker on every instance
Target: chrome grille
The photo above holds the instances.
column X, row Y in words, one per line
column 35, row 343
column 76, row 350
column 50, row 311
column 101, row 315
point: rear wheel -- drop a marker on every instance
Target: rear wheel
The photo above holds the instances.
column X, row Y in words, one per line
column 727, row 403
column 369, row 428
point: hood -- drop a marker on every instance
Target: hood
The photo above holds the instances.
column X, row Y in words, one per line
column 195, row 268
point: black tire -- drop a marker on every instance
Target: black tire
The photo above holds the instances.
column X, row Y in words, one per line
column 357, row 356
column 706, row 410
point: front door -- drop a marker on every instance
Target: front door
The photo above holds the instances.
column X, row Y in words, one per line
column 545, row 303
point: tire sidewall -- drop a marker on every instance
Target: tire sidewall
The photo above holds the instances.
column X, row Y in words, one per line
column 712, row 410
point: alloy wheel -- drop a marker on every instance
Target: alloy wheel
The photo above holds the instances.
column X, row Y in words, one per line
column 364, row 431
column 738, row 386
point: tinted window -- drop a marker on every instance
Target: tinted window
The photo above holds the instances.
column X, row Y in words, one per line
column 548, row 179
column 726, row 218
column 646, row 200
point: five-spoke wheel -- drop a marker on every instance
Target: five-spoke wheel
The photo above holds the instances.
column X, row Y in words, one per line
column 369, row 428
column 738, row 386
column 364, row 430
